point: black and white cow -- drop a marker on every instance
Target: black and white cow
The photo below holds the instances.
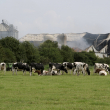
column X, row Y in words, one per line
column 3, row 67
column 101, row 66
column 80, row 66
column 20, row 66
column 36, row 66
column 55, row 68
column 68, row 66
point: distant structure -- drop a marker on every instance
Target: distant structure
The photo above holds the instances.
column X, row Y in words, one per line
column 62, row 39
column 98, row 43
column 41, row 37
column 37, row 39
column 8, row 30
column 101, row 54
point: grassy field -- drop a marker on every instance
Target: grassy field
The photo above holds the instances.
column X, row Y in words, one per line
column 65, row 92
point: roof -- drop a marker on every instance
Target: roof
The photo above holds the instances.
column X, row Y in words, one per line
column 104, row 49
column 91, row 48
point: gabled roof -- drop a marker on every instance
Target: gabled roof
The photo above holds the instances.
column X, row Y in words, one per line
column 91, row 48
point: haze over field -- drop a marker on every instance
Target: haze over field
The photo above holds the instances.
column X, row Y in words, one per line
column 57, row 16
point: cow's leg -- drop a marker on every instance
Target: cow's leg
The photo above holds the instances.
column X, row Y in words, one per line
column 30, row 70
column 77, row 72
column 16, row 71
column 41, row 71
column 74, row 72
column 62, row 72
column 70, row 71
column 94, row 70
column 59, row 72
column 30, row 73
column 13, row 70
column 83, row 73
column 0, row 67
column 50, row 69
column 25, row 72
column 4, row 70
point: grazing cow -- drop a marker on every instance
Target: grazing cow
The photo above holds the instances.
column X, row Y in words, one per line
column 103, row 73
column 36, row 66
column 80, row 66
column 101, row 66
column 3, row 67
column 55, row 73
column 56, row 67
column 68, row 66
column 44, row 72
column 20, row 66
column 38, row 71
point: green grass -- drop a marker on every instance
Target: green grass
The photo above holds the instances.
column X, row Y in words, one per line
column 65, row 92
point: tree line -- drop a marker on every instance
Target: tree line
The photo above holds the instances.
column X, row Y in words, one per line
column 12, row 50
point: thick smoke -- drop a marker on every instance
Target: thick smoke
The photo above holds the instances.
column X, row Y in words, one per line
column 62, row 39
column 78, row 43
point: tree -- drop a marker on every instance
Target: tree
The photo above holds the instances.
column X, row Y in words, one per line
column 6, row 55
column 67, row 54
column 30, row 51
column 87, row 57
column 12, row 44
column 49, row 50
column 22, row 53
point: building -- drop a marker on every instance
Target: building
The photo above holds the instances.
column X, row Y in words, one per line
column 101, row 54
column 99, row 43
column 62, row 39
column 8, row 30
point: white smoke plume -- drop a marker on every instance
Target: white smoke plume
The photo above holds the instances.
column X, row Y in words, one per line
column 79, row 43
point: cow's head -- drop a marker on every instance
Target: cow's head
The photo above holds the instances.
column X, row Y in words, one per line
column 108, row 69
column 2, row 64
column 88, row 71
column 64, row 69
column 85, row 66
column 65, row 64
column 74, row 65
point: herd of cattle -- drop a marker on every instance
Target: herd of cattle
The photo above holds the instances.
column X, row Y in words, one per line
column 56, row 68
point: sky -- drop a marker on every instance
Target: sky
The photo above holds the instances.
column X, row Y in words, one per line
column 57, row 16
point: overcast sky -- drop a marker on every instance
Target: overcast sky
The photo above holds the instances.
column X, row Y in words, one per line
column 57, row 16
